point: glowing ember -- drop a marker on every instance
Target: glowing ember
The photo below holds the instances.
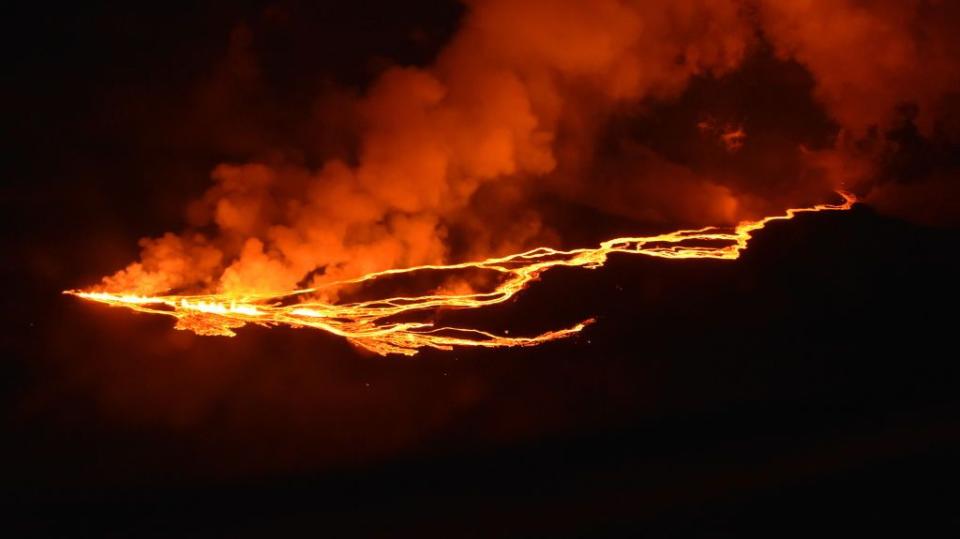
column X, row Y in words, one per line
column 373, row 324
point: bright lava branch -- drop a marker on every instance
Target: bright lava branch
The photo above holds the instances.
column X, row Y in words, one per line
column 378, row 325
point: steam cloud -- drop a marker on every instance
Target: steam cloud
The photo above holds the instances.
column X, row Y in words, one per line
column 614, row 105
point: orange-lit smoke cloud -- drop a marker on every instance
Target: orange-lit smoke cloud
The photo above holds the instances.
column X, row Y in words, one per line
column 881, row 67
column 518, row 103
column 487, row 111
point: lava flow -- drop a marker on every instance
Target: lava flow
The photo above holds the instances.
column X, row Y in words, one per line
column 377, row 325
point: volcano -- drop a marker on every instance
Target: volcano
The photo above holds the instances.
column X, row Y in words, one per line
column 608, row 268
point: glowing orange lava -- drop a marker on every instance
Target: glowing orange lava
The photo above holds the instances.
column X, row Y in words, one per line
column 377, row 325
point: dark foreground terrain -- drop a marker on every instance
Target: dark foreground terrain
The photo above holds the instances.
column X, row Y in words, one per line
column 809, row 387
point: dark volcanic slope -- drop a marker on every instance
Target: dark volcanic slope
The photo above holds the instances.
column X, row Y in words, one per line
column 812, row 381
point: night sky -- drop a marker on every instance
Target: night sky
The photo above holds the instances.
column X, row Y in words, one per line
column 808, row 388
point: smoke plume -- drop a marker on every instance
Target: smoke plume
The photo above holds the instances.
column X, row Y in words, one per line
column 667, row 113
